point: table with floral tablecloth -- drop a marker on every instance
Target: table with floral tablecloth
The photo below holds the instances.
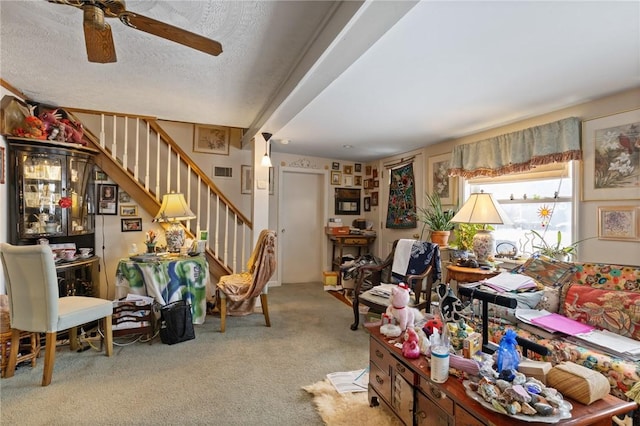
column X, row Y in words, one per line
column 167, row 280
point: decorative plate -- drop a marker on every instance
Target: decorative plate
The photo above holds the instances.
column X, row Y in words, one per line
column 542, row 419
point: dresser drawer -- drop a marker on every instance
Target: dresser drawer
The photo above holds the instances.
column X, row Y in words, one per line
column 464, row 418
column 433, row 392
column 429, row 414
column 355, row 241
column 380, row 381
column 404, row 371
column 380, row 355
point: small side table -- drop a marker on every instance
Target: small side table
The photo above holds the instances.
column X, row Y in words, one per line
column 467, row 275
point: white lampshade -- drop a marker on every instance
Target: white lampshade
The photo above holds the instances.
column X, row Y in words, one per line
column 174, row 208
column 482, row 209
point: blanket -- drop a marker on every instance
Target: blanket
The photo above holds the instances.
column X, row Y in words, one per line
column 412, row 257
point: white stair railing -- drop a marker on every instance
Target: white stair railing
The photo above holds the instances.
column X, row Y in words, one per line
column 164, row 163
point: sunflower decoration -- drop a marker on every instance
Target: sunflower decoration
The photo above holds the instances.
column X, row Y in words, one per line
column 544, row 213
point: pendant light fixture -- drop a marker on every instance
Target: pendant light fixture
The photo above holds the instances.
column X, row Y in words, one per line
column 266, row 160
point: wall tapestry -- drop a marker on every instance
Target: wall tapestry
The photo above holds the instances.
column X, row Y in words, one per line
column 401, row 212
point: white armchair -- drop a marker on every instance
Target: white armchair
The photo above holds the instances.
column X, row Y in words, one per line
column 32, row 287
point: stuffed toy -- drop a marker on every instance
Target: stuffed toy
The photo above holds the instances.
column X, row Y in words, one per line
column 411, row 347
column 398, row 309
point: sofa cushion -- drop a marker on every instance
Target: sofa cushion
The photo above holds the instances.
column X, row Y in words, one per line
column 550, row 299
column 608, row 277
column 616, row 311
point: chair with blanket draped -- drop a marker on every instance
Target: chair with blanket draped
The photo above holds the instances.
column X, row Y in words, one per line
column 32, row 286
column 416, row 263
column 236, row 294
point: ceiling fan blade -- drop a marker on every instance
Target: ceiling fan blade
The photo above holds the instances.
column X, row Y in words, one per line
column 97, row 36
column 172, row 33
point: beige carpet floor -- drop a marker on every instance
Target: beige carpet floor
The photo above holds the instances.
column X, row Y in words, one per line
column 349, row 409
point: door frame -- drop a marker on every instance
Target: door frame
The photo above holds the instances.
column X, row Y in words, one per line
column 324, row 208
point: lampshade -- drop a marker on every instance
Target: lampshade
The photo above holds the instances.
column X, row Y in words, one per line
column 266, row 160
column 174, row 208
column 482, row 209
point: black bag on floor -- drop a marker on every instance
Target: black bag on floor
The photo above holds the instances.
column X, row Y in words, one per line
column 176, row 323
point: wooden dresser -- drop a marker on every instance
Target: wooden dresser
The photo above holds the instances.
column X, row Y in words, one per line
column 404, row 386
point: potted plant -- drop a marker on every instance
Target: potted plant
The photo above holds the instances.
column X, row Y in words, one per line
column 437, row 219
column 557, row 250
column 464, row 234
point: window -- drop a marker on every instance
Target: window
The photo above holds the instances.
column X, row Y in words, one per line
column 523, row 196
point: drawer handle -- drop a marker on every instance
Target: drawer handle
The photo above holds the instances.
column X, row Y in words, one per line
column 437, row 393
column 379, row 354
column 400, row 368
column 379, row 380
column 422, row 415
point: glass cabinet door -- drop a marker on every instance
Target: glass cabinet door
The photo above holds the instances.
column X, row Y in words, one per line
column 80, row 218
column 40, row 189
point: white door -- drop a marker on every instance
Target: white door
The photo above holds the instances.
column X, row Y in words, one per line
column 301, row 225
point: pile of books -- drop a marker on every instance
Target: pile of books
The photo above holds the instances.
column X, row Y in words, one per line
column 508, row 281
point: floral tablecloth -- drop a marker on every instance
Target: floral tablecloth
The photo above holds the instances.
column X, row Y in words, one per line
column 167, row 280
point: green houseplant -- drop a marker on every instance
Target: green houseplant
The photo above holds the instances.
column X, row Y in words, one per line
column 464, row 235
column 436, row 217
column 557, row 250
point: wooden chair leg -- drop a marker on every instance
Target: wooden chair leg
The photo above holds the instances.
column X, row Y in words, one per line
column 223, row 314
column 265, row 309
column 49, row 357
column 73, row 338
column 35, row 348
column 108, row 335
column 13, row 353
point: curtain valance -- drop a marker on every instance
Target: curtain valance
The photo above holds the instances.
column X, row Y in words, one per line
column 518, row 151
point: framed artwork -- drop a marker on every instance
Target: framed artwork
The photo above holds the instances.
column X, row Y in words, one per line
column 367, row 170
column 610, row 157
column 128, row 210
column 2, row 168
column 367, row 204
column 246, row 179
column 100, row 176
column 335, row 166
column 357, row 168
column 211, row 139
column 336, row 178
column 374, row 199
column 367, row 184
column 348, row 181
column 618, row 223
column 438, row 180
column 374, row 173
column 124, row 197
column 107, row 199
column 357, row 180
column 131, row 225
column 348, row 170
column 376, row 183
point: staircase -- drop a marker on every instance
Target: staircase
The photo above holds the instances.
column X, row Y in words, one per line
column 139, row 156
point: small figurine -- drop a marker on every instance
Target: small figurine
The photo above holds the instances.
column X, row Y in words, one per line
column 398, row 309
column 410, row 347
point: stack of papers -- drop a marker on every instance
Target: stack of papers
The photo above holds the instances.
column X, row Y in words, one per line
column 562, row 324
column 350, row 381
column 382, row 290
column 621, row 346
column 507, row 281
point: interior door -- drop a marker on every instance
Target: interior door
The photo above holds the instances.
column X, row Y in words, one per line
column 301, row 224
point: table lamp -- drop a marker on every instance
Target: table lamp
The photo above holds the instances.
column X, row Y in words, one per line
column 174, row 208
column 482, row 208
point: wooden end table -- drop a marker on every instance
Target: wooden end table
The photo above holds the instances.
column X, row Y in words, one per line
column 467, row 275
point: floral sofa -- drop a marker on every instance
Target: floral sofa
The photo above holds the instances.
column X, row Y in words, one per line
column 603, row 295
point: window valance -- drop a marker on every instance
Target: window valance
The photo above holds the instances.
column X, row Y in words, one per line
column 518, row 151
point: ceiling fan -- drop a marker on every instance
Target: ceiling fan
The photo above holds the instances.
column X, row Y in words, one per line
column 99, row 40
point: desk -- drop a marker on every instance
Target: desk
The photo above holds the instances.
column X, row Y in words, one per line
column 167, row 280
column 467, row 275
column 404, row 385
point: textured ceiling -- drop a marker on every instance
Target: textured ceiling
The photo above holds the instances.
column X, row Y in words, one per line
column 385, row 77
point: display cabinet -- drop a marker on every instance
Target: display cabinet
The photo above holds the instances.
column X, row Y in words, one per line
column 50, row 192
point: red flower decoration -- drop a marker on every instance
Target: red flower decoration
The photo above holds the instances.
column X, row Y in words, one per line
column 65, row 202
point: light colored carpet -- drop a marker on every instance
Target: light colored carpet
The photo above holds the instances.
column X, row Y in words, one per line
column 250, row 375
column 348, row 409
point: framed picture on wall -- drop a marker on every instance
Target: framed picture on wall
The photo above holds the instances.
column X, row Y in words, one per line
column 107, row 199
column 335, row 166
column 438, row 180
column 211, row 139
column 374, row 199
column 348, row 170
column 618, row 223
column 131, row 210
column 131, row 225
column 357, row 180
column 608, row 147
column 367, row 170
column 367, row 204
column 246, row 179
column 336, row 178
column 357, row 167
